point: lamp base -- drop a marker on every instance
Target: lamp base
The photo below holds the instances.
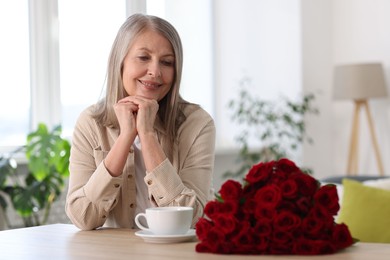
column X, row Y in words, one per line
column 352, row 168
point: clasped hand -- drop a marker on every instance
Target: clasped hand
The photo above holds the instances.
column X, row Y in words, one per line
column 136, row 115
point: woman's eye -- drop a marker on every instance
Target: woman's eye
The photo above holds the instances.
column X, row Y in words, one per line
column 143, row 58
column 167, row 63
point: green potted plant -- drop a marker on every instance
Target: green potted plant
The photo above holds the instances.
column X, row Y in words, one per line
column 33, row 194
column 272, row 129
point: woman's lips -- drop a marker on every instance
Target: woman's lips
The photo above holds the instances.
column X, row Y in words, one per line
column 150, row 85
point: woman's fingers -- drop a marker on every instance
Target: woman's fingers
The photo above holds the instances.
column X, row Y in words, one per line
column 126, row 114
column 146, row 113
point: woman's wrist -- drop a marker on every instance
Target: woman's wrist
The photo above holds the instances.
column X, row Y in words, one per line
column 152, row 151
column 127, row 138
column 148, row 136
column 116, row 158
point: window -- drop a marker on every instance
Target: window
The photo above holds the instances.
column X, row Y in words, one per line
column 75, row 38
column 87, row 30
column 15, row 73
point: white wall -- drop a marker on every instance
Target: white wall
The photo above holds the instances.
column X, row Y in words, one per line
column 316, row 75
column 338, row 32
column 259, row 39
column 329, row 32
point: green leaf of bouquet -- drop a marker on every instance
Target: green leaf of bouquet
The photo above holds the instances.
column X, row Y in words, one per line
column 218, row 197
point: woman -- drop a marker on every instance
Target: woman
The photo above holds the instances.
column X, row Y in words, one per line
column 142, row 145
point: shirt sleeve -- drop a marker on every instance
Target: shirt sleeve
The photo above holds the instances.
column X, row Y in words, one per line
column 92, row 191
column 190, row 184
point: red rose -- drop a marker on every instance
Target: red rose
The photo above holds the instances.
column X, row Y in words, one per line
column 259, row 173
column 312, row 225
column 212, row 208
column 323, row 214
column 313, row 247
column 325, row 247
column 231, row 190
column 289, row 189
column 216, row 208
column 341, row 236
column 226, row 223
column 307, row 184
column 278, row 176
column 262, row 228
column 279, row 248
column 212, row 247
column 297, row 233
column 264, row 214
column 286, row 221
column 215, row 235
column 229, row 207
column 282, row 169
column 289, row 205
column 203, row 247
column 280, row 237
column 244, row 241
column 268, row 196
column 305, row 246
column 249, row 206
column 303, row 205
column 287, row 166
column 213, row 242
column 261, row 244
column 202, row 227
column 327, row 197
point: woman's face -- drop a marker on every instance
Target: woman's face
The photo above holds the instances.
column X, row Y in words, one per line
column 149, row 66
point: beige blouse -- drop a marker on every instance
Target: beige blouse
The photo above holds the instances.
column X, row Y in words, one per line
column 95, row 198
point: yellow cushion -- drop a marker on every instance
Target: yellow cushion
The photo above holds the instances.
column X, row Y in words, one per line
column 366, row 211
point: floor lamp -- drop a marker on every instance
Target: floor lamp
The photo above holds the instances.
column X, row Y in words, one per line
column 360, row 82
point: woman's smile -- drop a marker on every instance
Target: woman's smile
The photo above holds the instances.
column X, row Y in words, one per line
column 150, row 85
column 149, row 66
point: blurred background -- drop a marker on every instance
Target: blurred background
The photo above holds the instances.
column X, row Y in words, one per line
column 54, row 56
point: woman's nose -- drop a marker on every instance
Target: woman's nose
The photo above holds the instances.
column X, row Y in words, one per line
column 154, row 70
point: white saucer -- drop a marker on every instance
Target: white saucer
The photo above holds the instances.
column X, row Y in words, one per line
column 152, row 238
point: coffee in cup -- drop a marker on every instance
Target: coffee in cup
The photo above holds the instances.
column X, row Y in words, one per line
column 166, row 220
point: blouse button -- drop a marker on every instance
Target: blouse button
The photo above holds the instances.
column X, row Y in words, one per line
column 132, row 205
column 104, row 216
column 129, row 176
column 116, row 185
column 149, row 182
column 131, row 150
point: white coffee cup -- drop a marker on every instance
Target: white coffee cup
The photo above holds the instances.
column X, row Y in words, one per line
column 166, row 220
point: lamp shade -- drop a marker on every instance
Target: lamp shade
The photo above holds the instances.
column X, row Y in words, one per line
column 359, row 81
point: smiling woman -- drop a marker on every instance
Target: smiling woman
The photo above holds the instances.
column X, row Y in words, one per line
column 142, row 145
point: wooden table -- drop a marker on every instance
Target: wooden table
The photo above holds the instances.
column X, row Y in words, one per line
column 63, row 241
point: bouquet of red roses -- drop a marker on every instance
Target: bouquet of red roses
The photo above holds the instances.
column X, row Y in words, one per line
column 278, row 210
